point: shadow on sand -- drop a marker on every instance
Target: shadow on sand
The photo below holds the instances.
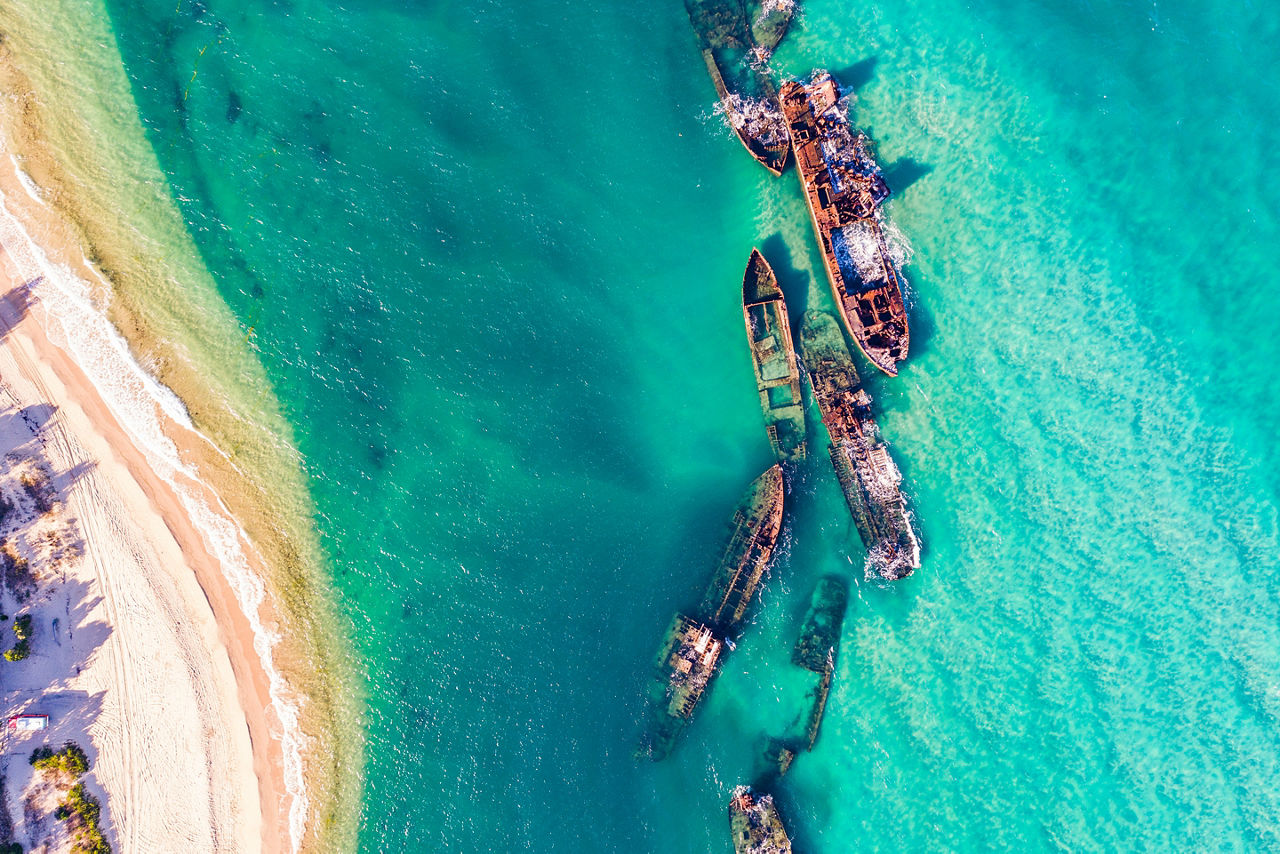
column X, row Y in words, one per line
column 858, row 75
column 14, row 307
column 904, row 172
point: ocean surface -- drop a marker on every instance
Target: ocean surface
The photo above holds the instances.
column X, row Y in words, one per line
column 489, row 255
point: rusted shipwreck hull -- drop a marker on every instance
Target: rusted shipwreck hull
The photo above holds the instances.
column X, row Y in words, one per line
column 756, row 824
column 844, row 188
column 819, row 643
column 868, row 476
column 754, row 530
column 754, row 120
column 685, row 666
column 693, row 645
column 773, row 358
column 734, row 58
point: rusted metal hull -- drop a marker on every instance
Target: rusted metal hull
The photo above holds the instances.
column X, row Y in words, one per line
column 867, row 474
column 727, row 38
column 843, row 188
column 755, row 823
column 773, row 358
column 770, row 155
column 686, row 664
column 754, row 530
column 693, row 645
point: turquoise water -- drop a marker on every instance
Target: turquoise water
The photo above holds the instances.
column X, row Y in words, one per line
column 490, row 255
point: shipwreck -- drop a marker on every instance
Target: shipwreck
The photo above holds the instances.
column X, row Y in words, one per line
column 693, row 645
column 818, row 644
column 756, row 824
column 867, row 474
column 773, row 356
column 736, row 51
column 844, row 188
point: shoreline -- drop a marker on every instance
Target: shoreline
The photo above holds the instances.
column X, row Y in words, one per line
column 249, row 580
column 43, row 364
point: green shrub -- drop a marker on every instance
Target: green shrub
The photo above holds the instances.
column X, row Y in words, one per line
column 22, row 627
column 20, row 650
column 70, row 759
column 88, row 838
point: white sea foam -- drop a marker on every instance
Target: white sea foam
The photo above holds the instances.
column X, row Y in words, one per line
column 860, row 252
column 25, row 180
column 900, row 250
column 80, row 327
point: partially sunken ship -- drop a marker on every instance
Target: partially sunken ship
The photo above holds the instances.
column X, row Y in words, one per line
column 756, row 824
column 818, row 644
column 736, row 50
column 868, row 476
column 693, row 645
column 686, row 664
column 844, row 188
column 754, row 530
column 773, row 356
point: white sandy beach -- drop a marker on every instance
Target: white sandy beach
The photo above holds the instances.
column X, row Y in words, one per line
column 141, row 651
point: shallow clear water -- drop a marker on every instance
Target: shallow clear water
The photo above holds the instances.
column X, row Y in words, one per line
column 490, row 256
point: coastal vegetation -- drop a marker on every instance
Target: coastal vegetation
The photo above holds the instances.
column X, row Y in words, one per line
column 39, row 488
column 37, row 538
column 80, row 809
column 69, row 760
column 7, row 843
column 16, row 570
column 83, row 811
column 22, row 631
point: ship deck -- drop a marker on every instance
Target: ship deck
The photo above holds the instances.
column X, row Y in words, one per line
column 867, row 474
column 773, row 357
column 754, row 530
column 843, row 190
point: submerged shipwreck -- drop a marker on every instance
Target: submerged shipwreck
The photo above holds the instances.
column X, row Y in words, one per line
column 844, row 188
column 754, row 530
column 756, row 824
column 736, row 50
column 868, row 476
column 818, row 644
column 815, row 650
column 773, row 356
column 686, row 665
column 692, row 647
